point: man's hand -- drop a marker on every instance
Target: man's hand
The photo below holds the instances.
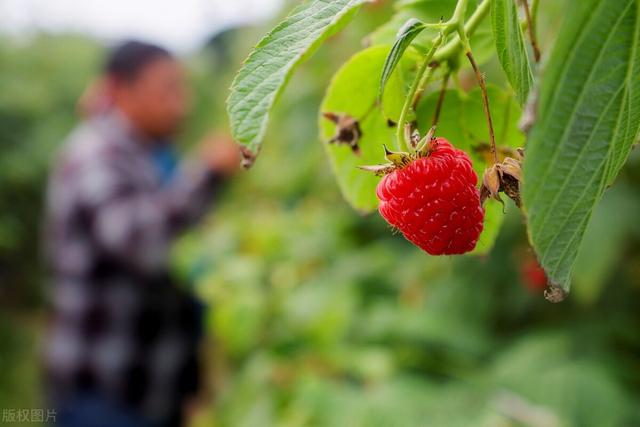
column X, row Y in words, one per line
column 221, row 154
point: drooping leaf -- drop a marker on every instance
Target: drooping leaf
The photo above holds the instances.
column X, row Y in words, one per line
column 407, row 33
column 268, row 68
column 353, row 91
column 393, row 101
column 589, row 116
column 509, row 41
column 428, row 12
column 463, row 123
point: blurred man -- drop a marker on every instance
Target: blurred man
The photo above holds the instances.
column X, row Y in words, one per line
column 123, row 342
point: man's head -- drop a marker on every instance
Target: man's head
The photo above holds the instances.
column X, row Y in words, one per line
column 147, row 84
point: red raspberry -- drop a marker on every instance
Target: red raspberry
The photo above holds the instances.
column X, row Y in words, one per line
column 434, row 201
column 533, row 275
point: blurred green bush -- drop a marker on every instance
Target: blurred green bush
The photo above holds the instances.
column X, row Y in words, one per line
column 40, row 82
column 321, row 317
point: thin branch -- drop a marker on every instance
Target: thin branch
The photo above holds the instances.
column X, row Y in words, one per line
column 532, row 30
column 443, row 91
column 485, row 104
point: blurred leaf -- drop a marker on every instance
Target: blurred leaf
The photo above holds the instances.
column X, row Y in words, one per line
column 565, row 386
column 268, row 68
column 509, row 42
column 493, row 218
column 604, row 242
column 589, row 115
column 407, row 33
column 321, row 314
column 353, row 91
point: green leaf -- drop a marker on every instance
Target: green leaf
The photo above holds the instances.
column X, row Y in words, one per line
column 463, row 123
column 510, row 45
column 398, row 86
column 407, row 33
column 354, row 91
column 589, row 116
column 268, row 68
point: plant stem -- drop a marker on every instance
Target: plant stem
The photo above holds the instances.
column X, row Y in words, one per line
column 443, row 91
column 436, row 55
column 485, row 105
column 454, row 46
column 534, row 13
column 458, row 13
column 421, row 86
column 532, row 30
column 408, row 102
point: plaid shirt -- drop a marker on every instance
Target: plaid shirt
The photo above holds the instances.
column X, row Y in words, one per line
column 121, row 327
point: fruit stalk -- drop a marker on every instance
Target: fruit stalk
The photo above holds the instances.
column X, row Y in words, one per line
column 485, row 105
column 532, row 30
column 534, row 13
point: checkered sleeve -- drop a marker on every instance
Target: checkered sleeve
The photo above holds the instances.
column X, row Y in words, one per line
column 134, row 223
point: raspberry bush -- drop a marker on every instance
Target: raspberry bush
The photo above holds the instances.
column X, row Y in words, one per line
column 550, row 132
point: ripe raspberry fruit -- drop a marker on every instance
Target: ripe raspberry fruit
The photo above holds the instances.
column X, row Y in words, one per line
column 533, row 275
column 433, row 200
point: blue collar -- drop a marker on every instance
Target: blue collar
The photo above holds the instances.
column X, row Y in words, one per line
column 165, row 159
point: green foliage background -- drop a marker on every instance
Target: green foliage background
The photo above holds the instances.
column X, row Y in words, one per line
column 321, row 317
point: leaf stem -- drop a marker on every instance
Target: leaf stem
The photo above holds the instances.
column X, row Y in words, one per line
column 485, row 105
column 532, row 30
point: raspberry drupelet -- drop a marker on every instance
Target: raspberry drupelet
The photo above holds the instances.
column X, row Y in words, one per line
column 434, row 201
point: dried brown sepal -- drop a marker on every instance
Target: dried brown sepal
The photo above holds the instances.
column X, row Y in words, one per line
column 554, row 294
column 424, row 146
column 348, row 130
column 407, row 133
column 379, row 170
column 484, row 150
column 248, row 157
column 512, row 167
column 511, row 187
column 503, row 177
column 491, row 185
column 415, row 138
